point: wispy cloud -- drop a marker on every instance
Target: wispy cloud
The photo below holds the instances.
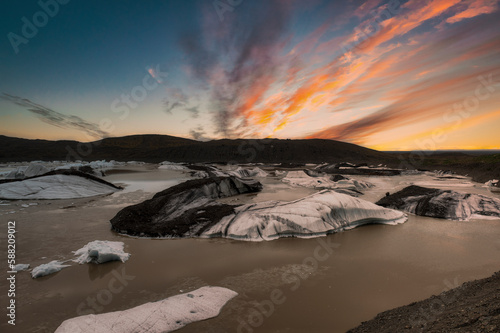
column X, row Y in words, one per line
column 263, row 77
column 55, row 118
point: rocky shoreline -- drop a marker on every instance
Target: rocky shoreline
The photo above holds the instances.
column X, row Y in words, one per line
column 472, row 307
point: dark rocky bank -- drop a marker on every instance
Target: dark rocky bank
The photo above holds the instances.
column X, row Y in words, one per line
column 474, row 307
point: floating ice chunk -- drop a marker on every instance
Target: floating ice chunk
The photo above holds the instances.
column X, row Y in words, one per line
column 21, row 267
column 247, row 173
column 100, row 252
column 316, row 215
column 300, row 178
column 46, row 269
column 166, row 315
column 35, row 169
column 442, row 203
column 166, row 165
column 54, row 187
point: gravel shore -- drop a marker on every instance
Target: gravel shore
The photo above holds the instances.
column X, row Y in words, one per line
column 472, row 307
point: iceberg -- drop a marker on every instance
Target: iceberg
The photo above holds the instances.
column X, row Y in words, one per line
column 166, row 165
column 316, row 215
column 442, row 204
column 46, row 269
column 32, row 170
column 100, row 252
column 166, row 315
column 493, row 185
column 247, row 173
column 56, row 185
column 313, row 179
column 182, row 210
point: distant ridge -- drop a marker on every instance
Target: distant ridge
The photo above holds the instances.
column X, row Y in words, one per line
column 156, row 148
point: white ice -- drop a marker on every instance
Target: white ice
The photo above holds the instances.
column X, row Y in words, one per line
column 300, row 178
column 247, row 173
column 166, row 165
column 166, row 315
column 46, row 269
column 100, row 252
column 54, row 187
column 33, row 169
column 316, row 215
column 21, row 267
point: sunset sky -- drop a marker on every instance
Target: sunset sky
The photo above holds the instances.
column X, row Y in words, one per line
column 389, row 75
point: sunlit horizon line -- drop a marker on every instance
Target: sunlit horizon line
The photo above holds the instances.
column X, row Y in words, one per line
column 373, row 147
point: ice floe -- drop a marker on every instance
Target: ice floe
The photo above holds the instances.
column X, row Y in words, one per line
column 317, row 180
column 21, row 267
column 58, row 186
column 172, row 166
column 247, row 173
column 166, row 315
column 100, row 252
column 46, row 269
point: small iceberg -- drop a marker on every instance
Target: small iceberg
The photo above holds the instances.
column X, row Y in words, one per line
column 166, row 315
column 166, row 165
column 100, row 252
column 46, row 269
column 21, row 267
column 312, row 179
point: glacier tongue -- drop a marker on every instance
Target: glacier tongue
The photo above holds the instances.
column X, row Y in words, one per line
column 166, row 315
column 316, row 215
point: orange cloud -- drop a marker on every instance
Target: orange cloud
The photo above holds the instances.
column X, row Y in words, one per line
column 422, row 101
column 474, row 8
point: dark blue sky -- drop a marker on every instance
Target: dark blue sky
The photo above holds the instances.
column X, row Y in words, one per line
column 363, row 71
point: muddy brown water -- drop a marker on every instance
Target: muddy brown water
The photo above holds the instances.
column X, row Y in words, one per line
column 328, row 284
